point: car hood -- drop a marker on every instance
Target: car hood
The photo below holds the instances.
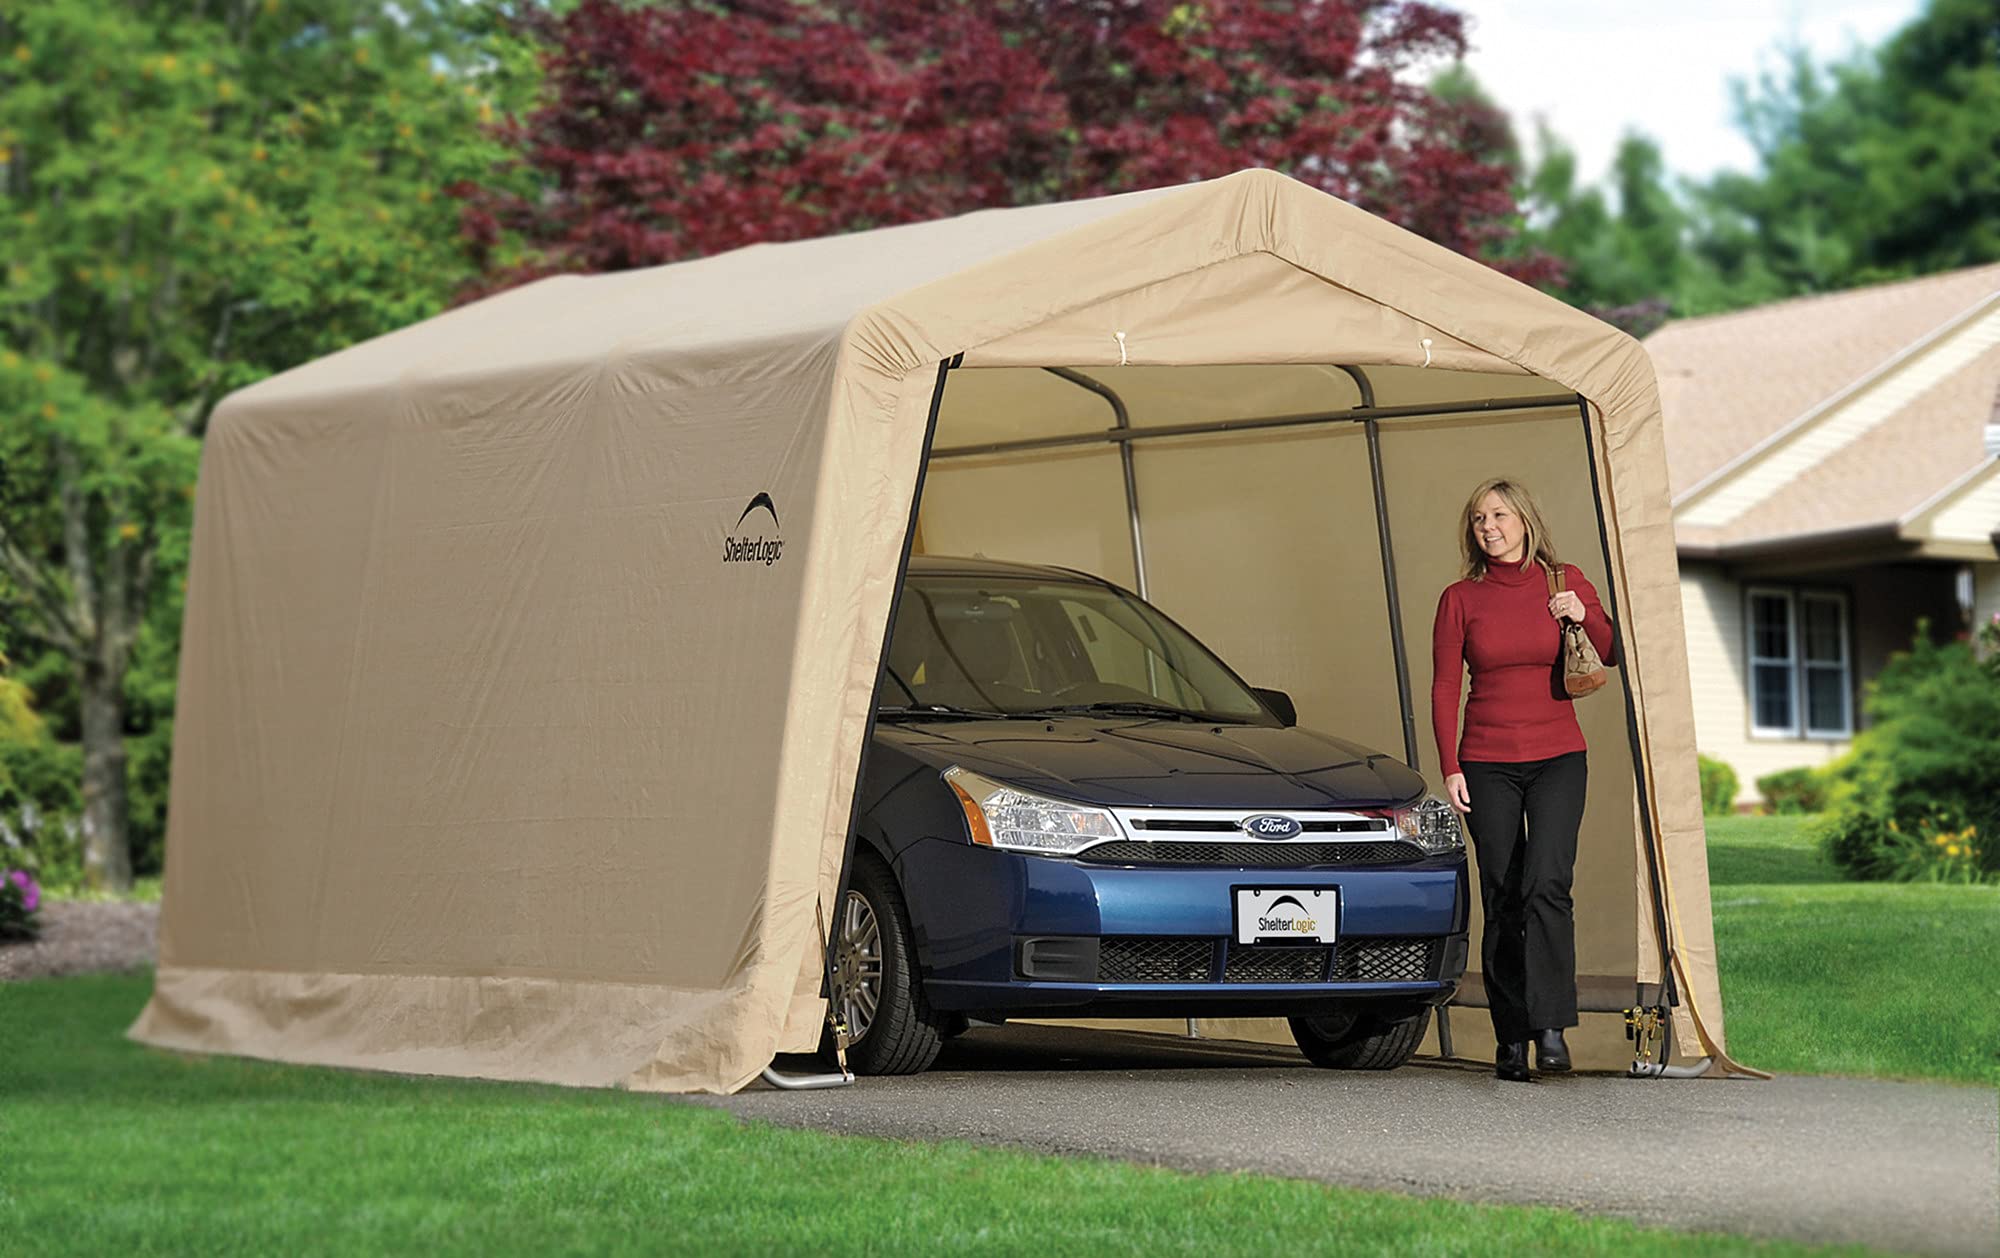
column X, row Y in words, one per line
column 1124, row 762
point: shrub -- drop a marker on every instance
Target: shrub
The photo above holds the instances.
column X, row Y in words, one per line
column 1943, row 848
column 1927, row 768
column 39, row 797
column 1858, row 843
column 1793, row 791
column 1719, row 785
column 20, row 905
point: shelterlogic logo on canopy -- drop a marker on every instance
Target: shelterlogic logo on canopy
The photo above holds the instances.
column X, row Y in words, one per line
column 738, row 546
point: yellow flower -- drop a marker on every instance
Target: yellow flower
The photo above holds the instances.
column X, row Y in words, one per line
column 1954, row 850
column 168, row 62
column 21, row 52
column 226, row 90
column 10, row 360
column 485, row 112
column 126, row 532
column 1942, row 839
column 1971, row 830
column 44, row 373
column 405, row 130
column 1892, row 826
column 215, row 174
column 48, row 410
column 361, row 56
column 206, row 68
column 5, row 153
column 259, row 153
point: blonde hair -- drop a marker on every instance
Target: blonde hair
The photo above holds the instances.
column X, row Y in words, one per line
column 1518, row 500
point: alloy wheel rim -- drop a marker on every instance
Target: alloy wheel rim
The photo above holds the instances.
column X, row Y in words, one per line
column 857, row 965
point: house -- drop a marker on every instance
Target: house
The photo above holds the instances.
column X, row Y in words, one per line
column 1835, row 481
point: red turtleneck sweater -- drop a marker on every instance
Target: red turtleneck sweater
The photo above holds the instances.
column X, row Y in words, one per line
column 1501, row 629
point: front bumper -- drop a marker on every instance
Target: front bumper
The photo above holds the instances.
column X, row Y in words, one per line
column 1006, row 933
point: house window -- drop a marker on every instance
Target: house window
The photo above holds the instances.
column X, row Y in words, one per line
column 1801, row 672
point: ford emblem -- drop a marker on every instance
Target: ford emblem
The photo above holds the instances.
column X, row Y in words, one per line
column 1271, row 826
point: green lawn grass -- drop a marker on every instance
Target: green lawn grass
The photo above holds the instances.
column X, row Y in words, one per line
column 1825, row 976
column 107, row 1147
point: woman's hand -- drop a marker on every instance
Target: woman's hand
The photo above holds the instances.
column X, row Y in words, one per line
column 1565, row 605
column 1454, row 789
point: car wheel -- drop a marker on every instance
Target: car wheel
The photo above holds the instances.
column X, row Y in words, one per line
column 876, row 986
column 1360, row 1041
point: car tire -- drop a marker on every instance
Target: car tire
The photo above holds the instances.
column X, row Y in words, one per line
column 901, row 1034
column 1361, row 1041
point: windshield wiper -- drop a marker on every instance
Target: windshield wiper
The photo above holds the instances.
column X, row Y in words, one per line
column 1123, row 707
column 943, row 711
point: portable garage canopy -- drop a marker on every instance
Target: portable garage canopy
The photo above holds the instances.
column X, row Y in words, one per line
column 530, row 651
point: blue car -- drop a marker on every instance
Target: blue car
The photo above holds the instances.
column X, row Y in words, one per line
column 1071, row 808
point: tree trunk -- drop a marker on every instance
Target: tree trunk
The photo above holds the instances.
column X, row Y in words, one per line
column 107, row 854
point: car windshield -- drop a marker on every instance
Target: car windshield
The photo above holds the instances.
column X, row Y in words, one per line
column 1017, row 646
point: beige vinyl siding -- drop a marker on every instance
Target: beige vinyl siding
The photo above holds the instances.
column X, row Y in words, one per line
column 1712, row 604
column 1975, row 514
column 1985, row 592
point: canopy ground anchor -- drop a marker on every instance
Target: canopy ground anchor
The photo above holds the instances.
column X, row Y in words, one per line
column 806, row 1083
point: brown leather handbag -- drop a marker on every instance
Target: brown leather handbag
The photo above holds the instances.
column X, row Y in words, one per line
column 1578, row 670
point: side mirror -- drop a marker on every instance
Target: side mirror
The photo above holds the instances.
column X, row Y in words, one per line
column 1280, row 703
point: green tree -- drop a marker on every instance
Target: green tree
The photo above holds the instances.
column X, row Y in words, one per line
column 194, row 195
column 1623, row 253
column 1882, row 166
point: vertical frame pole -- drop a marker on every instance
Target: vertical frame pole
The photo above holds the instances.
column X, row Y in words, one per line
column 1389, row 587
column 1658, row 897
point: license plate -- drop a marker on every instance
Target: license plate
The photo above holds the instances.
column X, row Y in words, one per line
column 1286, row 915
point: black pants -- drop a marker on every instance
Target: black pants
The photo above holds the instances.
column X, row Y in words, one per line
column 1529, row 957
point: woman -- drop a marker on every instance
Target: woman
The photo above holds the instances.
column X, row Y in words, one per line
column 1520, row 758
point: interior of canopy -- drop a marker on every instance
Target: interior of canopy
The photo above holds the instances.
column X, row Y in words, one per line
column 1301, row 521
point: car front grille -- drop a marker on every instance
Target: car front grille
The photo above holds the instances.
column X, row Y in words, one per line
column 1251, row 855
column 1202, row 825
column 1275, row 963
column 1128, row 959
column 1386, row 960
column 1191, row 959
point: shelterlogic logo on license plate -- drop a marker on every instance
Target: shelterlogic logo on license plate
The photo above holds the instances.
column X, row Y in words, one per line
column 1282, row 915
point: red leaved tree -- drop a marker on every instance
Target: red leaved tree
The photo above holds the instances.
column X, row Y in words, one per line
column 678, row 129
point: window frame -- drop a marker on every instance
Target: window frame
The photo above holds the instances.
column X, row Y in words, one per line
column 1798, row 668
column 1844, row 667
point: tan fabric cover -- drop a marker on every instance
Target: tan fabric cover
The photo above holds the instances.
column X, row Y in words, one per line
column 487, row 764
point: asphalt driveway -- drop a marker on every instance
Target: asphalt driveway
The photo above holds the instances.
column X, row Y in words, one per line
column 1898, row 1166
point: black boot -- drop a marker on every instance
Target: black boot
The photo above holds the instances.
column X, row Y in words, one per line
column 1551, row 1053
column 1510, row 1062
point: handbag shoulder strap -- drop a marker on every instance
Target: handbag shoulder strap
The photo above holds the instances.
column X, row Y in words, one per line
column 1555, row 579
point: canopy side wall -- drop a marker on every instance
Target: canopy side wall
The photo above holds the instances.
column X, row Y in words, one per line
column 441, row 797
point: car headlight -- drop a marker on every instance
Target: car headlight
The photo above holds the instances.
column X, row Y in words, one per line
column 998, row 815
column 1432, row 825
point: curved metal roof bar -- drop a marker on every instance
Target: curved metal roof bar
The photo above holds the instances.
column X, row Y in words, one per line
column 1123, row 419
